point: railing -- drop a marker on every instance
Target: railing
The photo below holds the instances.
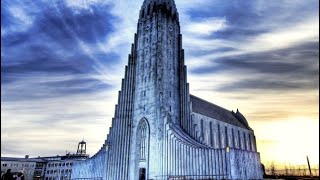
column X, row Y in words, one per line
column 190, row 177
column 94, row 178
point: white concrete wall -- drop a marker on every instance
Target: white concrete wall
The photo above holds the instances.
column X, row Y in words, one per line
column 94, row 167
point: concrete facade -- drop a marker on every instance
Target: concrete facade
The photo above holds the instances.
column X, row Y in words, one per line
column 44, row 168
column 159, row 130
column 19, row 165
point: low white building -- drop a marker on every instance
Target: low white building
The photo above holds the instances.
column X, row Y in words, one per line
column 44, row 168
column 27, row 166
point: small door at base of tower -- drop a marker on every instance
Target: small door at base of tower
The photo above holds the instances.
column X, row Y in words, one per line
column 142, row 174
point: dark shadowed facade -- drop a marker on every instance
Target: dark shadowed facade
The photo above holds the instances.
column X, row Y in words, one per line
column 159, row 130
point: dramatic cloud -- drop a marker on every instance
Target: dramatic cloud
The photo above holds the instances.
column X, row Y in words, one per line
column 63, row 60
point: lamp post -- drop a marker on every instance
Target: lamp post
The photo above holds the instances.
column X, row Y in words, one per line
column 309, row 167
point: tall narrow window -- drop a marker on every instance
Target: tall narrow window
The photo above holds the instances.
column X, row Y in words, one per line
column 143, row 137
column 239, row 140
column 250, row 143
column 233, row 140
column 219, row 136
column 244, row 141
column 226, row 136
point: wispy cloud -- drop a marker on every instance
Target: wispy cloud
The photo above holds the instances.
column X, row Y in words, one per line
column 61, row 60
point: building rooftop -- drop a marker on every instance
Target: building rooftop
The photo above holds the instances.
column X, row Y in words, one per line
column 23, row 159
column 211, row 110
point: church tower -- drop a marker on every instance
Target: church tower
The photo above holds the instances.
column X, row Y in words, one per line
column 157, row 83
column 159, row 130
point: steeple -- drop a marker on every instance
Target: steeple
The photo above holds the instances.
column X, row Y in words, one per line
column 150, row 6
column 82, row 146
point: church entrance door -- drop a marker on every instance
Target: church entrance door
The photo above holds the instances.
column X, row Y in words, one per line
column 142, row 174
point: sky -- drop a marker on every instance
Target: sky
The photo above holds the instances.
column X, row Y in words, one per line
column 63, row 61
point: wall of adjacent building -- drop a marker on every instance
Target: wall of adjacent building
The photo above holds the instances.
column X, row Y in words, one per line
column 27, row 168
column 58, row 169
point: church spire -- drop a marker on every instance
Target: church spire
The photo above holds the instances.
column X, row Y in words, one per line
column 150, row 6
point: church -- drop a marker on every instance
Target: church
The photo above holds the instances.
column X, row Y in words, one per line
column 159, row 130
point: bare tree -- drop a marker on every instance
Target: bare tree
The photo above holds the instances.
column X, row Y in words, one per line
column 286, row 170
column 299, row 173
column 316, row 170
column 272, row 169
column 304, row 171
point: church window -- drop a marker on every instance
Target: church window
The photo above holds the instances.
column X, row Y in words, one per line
column 250, row 143
column 211, row 135
column 244, row 141
column 226, row 136
column 170, row 94
column 170, row 108
column 219, row 136
column 233, row 140
column 143, row 137
column 239, row 140
column 207, row 136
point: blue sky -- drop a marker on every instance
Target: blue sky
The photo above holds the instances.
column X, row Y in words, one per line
column 63, row 60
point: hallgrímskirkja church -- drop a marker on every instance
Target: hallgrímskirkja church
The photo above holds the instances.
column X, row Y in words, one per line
column 161, row 131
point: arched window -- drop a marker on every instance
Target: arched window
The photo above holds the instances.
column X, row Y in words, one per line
column 143, row 136
column 143, row 139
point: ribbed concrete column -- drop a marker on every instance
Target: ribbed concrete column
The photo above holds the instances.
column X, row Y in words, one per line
column 198, row 156
column 184, row 159
column 129, row 112
column 119, row 122
column 176, row 158
column 207, row 158
column 170, row 164
column 202, row 162
column 165, row 149
column 220, row 163
column 122, row 121
column 225, row 171
column 125, row 124
column 189, row 165
column 212, row 164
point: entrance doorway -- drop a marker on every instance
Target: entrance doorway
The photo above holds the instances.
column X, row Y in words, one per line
column 142, row 174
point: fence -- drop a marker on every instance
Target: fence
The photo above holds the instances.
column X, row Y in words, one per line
column 191, row 177
column 94, row 178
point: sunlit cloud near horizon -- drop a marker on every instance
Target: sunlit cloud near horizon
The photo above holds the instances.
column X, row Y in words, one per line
column 63, row 61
